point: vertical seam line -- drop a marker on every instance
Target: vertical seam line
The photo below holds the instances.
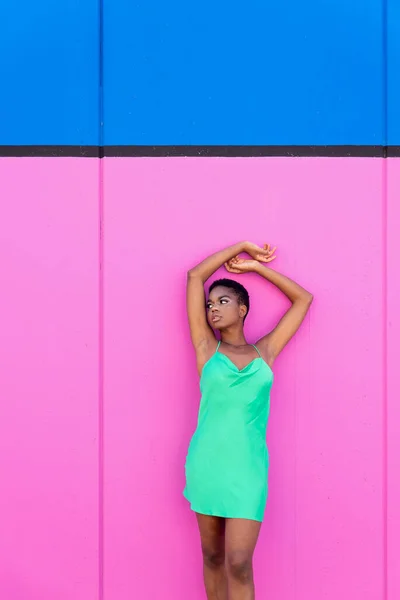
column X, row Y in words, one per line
column 101, row 311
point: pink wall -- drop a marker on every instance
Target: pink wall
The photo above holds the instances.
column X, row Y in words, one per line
column 392, row 383
column 325, row 530
column 49, row 379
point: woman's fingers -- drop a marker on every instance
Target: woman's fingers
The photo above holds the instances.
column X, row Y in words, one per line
column 229, row 267
column 263, row 257
column 269, row 251
column 239, row 265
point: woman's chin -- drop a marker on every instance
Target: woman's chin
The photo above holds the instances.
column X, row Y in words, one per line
column 218, row 326
column 215, row 323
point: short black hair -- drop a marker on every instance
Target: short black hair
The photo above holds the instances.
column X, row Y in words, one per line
column 238, row 289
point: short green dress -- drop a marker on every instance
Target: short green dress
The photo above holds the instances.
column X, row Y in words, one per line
column 227, row 461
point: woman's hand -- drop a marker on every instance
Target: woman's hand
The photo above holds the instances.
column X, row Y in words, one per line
column 242, row 265
column 264, row 254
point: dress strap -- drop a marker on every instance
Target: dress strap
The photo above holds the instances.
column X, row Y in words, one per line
column 257, row 350
column 218, row 345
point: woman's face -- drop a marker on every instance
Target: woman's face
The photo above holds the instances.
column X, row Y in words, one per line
column 223, row 308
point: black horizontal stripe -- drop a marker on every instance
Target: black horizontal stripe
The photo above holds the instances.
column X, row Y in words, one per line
column 50, row 151
column 199, row 151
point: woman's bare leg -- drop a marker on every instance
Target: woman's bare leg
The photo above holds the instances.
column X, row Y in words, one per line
column 240, row 541
column 212, row 535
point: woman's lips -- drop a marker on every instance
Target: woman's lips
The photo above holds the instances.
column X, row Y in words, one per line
column 215, row 318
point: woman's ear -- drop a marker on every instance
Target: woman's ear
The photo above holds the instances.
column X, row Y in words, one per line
column 242, row 311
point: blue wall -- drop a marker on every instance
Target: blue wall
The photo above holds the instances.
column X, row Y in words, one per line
column 393, row 71
column 200, row 72
column 211, row 72
column 49, row 72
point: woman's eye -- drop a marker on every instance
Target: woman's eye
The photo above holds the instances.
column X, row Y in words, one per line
column 224, row 300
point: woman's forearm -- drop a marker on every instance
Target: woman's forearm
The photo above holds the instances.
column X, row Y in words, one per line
column 290, row 288
column 207, row 267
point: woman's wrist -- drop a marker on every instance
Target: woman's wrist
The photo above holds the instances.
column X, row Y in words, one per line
column 262, row 270
column 237, row 249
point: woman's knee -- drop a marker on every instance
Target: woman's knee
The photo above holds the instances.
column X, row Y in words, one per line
column 240, row 567
column 213, row 558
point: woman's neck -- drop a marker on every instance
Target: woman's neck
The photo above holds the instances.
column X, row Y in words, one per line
column 233, row 337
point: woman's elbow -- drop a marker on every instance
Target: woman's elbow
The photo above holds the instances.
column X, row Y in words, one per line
column 306, row 298
column 309, row 298
column 193, row 273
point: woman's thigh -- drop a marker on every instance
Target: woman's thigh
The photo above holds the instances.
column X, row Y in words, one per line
column 241, row 537
column 212, row 536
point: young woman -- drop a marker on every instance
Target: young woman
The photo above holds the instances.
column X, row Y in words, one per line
column 227, row 461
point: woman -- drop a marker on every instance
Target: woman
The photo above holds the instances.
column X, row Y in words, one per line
column 227, row 461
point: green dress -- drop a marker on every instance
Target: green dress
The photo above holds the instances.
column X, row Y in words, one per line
column 227, row 461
